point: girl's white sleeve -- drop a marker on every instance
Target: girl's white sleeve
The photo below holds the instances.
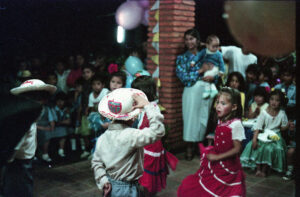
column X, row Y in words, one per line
column 260, row 121
column 238, row 131
column 91, row 104
column 284, row 121
column 99, row 168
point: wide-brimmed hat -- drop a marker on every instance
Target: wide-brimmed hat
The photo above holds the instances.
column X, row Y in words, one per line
column 118, row 105
column 33, row 85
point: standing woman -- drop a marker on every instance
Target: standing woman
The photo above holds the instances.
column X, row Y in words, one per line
column 195, row 108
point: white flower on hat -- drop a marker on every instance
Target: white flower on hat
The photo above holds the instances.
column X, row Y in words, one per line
column 118, row 105
column 33, row 85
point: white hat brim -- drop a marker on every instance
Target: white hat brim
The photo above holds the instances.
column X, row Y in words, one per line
column 45, row 87
column 104, row 110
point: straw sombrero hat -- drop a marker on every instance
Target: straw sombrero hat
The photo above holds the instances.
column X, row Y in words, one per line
column 33, row 85
column 118, row 104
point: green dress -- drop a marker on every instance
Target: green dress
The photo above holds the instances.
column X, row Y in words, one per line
column 271, row 153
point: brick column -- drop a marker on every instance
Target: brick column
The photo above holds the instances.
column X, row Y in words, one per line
column 175, row 17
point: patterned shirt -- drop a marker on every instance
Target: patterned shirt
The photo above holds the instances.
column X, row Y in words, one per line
column 188, row 75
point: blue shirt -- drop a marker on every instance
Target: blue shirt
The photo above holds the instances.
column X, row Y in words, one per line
column 188, row 75
column 215, row 58
column 290, row 93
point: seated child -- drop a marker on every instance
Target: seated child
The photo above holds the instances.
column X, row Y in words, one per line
column 290, row 156
column 259, row 104
column 267, row 148
column 118, row 158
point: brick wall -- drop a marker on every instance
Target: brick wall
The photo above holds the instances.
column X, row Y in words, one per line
column 175, row 17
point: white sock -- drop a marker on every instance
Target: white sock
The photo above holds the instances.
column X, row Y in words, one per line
column 82, row 144
column 290, row 168
column 73, row 143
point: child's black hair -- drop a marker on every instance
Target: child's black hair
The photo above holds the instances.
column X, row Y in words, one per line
column 120, row 74
column 39, row 95
column 235, row 99
column 79, row 81
column 240, row 79
column 261, row 91
column 61, row 96
column 89, row 66
column 290, row 69
column 267, row 72
column 99, row 77
column 252, row 68
column 147, row 85
column 283, row 99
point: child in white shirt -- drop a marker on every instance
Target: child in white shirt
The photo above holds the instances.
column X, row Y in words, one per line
column 118, row 158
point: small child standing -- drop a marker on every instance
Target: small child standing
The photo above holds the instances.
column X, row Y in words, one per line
column 99, row 91
column 220, row 172
column 62, row 123
column 118, row 158
column 156, row 158
column 267, row 147
column 290, row 155
column 212, row 64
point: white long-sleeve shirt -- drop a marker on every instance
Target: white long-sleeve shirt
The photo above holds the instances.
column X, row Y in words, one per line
column 119, row 151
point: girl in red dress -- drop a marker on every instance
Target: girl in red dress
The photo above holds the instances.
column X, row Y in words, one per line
column 156, row 158
column 220, row 172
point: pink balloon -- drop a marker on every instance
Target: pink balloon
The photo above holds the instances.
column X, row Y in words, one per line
column 144, row 3
column 145, row 19
column 129, row 15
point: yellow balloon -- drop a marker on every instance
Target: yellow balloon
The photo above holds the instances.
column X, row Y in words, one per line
column 266, row 28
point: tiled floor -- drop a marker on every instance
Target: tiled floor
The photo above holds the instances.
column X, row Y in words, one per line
column 76, row 180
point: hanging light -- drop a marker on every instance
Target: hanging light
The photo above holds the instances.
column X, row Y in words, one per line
column 120, row 34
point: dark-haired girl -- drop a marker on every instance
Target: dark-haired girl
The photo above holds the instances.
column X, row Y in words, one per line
column 267, row 148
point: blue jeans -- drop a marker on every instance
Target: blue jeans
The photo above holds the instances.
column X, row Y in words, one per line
column 124, row 189
column 17, row 179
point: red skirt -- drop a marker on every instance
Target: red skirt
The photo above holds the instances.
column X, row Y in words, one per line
column 156, row 161
column 221, row 178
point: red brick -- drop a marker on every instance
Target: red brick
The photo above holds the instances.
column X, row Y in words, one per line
column 171, row 45
column 172, row 39
column 172, row 28
column 166, row 68
column 167, row 57
column 189, row 2
column 184, row 7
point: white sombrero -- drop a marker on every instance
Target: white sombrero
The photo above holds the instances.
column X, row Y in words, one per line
column 33, row 85
column 118, row 104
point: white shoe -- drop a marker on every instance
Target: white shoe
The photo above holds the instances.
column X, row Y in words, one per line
column 46, row 158
column 84, row 154
column 61, row 152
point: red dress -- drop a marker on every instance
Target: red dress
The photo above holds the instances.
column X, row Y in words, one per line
column 156, row 159
column 220, row 178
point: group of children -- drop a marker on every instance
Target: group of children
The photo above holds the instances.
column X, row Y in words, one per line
column 126, row 124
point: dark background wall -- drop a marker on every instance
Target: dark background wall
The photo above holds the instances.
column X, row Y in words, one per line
column 54, row 27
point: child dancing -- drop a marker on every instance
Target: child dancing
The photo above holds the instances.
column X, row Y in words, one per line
column 118, row 158
column 220, row 172
column 156, row 158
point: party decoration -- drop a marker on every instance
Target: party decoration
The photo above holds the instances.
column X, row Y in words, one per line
column 144, row 3
column 263, row 27
column 145, row 19
column 112, row 68
column 133, row 65
column 129, row 79
column 142, row 73
column 129, row 15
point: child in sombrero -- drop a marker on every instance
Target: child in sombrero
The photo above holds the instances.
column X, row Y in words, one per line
column 118, row 158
